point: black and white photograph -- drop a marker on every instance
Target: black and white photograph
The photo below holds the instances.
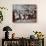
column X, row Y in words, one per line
column 26, row 13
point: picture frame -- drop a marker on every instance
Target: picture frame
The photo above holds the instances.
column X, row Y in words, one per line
column 24, row 13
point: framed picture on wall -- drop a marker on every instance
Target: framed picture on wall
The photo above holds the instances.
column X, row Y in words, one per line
column 25, row 13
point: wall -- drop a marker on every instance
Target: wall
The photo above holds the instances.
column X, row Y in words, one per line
column 23, row 29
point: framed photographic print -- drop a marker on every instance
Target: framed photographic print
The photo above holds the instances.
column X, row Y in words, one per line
column 25, row 13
